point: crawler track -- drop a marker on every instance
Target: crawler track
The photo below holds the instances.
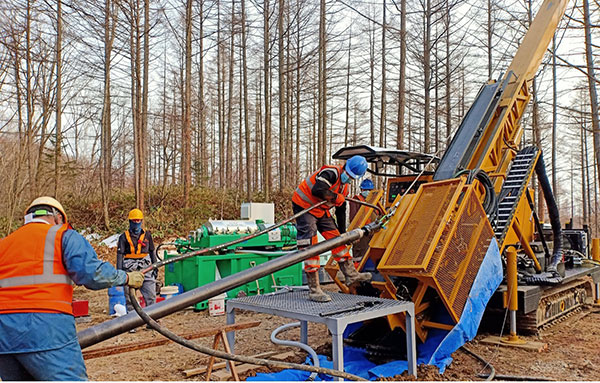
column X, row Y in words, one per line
column 555, row 306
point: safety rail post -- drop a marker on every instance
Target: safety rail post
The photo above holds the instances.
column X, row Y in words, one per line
column 513, row 304
column 596, row 258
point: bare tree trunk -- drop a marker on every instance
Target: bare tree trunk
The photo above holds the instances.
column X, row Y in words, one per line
column 106, row 133
column 29, row 98
column 323, row 83
column 427, row 75
column 591, row 82
column 58, row 143
column 347, row 126
column 282, row 97
column 187, row 139
column 144, row 137
column 382, row 133
column 246, row 106
column 402, row 78
column 229, row 159
column 583, row 178
column 447, row 79
column 220, row 96
column 267, row 64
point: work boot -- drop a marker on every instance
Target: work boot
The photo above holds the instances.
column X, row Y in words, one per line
column 314, row 289
column 352, row 276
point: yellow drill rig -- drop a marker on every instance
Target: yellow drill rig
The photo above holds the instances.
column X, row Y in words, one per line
column 447, row 215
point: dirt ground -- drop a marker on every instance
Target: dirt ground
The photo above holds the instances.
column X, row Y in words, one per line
column 571, row 353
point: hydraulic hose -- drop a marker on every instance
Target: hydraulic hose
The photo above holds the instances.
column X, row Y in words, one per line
column 224, row 355
column 540, row 171
column 380, row 210
column 292, row 343
column 231, row 243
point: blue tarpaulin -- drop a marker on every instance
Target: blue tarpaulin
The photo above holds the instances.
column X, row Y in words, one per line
column 438, row 347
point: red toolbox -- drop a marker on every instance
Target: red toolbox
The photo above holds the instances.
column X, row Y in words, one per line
column 80, row 308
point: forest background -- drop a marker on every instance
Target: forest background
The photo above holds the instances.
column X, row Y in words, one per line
column 187, row 108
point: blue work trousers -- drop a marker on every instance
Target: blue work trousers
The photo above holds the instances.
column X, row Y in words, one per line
column 65, row 363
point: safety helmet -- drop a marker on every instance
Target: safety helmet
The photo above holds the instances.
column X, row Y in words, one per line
column 356, row 166
column 367, row 185
column 48, row 201
column 135, row 214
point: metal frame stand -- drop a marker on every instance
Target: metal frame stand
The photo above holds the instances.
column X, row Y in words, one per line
column 337, row 314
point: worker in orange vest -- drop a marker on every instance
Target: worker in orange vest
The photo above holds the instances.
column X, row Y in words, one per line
column 330, row 183
column 135, row 252
column 360, row 248
column 39, row 263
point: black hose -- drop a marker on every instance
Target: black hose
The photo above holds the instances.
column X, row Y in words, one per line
column 540, row 171
column 519, row 378
column 487, row 364
column 490, row 201
column 224, row 355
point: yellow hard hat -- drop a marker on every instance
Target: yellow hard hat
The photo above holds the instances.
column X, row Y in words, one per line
column 135, row 214
column 47, row 201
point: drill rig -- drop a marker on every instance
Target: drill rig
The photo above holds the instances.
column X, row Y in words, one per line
column 445, row 219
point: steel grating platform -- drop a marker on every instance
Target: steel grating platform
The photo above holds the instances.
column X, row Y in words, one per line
column 342, row 310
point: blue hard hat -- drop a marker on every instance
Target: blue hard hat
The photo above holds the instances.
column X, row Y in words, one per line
column 367, row 185
column 356, row 166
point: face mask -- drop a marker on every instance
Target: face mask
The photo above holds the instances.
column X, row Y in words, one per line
column 364, row 193
column 135, row 227
column 345, row 178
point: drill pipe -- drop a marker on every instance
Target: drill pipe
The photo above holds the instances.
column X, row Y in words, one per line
column 114, row 327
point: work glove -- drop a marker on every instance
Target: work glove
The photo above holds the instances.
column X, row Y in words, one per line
column 135, row 279
column 339, row 200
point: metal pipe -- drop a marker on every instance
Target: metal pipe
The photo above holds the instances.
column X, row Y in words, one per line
column 114, row 327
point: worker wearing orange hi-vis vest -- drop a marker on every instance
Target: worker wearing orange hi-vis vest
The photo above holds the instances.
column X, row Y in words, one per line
column 39, row 263
column 330, row 183
column 135, row 251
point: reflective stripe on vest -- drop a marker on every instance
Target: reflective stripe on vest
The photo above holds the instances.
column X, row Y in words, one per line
column 47, row 275
column 136, row 252
column 305, row 200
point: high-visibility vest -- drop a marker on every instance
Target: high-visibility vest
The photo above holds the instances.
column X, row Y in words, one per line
column 135, row 251
column 33, row 277
column 304, row 198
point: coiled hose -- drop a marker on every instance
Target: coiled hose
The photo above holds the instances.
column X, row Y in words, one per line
column 292, row 343
column 224, row 355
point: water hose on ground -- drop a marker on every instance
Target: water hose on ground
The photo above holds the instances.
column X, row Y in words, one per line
column 292, row 343
column 492, row 373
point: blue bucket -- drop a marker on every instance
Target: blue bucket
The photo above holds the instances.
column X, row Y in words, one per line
column 116, row 295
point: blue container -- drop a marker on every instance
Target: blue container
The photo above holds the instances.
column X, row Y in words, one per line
column 116, row 295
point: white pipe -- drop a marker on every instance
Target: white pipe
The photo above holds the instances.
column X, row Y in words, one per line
column 292, row 343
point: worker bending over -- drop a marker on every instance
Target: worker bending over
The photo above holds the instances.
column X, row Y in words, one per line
column 39, row 262
column 360, row 248
column 135, row 252
column 330, row 183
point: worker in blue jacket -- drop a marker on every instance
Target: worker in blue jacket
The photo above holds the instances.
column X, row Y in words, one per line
column 39, row 263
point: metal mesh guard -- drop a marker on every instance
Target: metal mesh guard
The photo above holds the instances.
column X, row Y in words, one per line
column 297, row 302
column 411, row 248
column 465, row 252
